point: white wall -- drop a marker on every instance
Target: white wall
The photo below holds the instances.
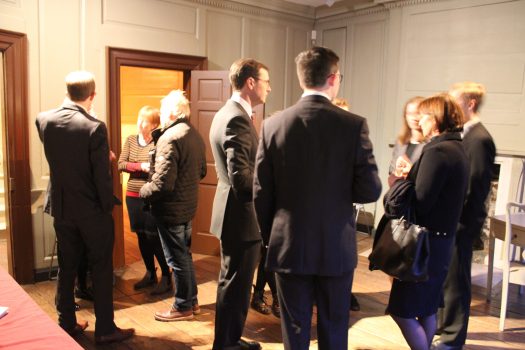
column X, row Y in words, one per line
column 410, row 48
column 66, row 35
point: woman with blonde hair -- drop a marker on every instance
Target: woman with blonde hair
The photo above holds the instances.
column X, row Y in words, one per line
column 134, row 160
column 439, row 178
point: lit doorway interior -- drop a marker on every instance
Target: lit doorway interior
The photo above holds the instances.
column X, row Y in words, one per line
column 139, row 87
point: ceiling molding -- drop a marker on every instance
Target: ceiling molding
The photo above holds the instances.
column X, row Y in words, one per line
column 263, row 8
column 342, row 10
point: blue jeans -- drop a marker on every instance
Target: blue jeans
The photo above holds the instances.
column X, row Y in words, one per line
column 176, row 243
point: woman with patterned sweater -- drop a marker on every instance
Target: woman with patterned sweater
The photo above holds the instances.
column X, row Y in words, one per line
column 134, row 160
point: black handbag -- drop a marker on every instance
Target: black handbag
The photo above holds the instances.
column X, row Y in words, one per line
column 401, row 250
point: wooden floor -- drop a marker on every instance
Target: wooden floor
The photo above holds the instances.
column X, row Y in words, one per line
column 368, row 329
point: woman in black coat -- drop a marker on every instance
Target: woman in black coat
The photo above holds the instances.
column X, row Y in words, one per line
column 440, row 177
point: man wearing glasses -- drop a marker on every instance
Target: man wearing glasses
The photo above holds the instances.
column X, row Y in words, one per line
column 233, row 141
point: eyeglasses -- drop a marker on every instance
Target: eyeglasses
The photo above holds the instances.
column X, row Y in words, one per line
column 340, row 76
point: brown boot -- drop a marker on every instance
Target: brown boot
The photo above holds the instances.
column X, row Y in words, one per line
column 149, row 279
column 173, row 315
column 259, row 304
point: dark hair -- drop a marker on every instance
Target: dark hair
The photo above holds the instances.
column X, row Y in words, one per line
column 446, row 112
column 405, row 134
column 80, row 85
column 315, row 65
column 242, row 69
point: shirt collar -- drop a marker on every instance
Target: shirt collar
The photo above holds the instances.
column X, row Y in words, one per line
column 236, row 96
column 469, row 125
column 313, row 92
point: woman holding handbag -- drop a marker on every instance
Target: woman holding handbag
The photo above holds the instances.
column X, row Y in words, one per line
column 440, row 183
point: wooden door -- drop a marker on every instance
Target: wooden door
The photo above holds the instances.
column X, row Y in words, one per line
column 209, row 91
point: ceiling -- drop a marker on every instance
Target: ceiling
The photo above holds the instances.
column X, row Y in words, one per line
column 313, row 3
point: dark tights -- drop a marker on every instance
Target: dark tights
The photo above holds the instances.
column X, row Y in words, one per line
column 264, row 276
column 418, row 332
column 151, row 247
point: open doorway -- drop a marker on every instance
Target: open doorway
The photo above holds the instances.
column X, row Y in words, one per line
column 15, row 156
column 5, row 262
column 123, row 61
column 140, row 87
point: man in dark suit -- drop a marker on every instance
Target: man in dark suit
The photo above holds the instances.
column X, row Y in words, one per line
column 233, row 141
column 480, row 149
column 313, row 162
column 80, row 199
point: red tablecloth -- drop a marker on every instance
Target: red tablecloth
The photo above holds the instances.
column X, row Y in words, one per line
column 27, row 326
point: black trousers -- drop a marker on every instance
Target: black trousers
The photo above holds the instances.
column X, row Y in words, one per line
column 453, row 317
column 93, row 236
column 297, row 294
column 238, row 263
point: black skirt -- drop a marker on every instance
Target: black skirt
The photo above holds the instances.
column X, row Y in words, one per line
column 139, row 219
column 421, row 299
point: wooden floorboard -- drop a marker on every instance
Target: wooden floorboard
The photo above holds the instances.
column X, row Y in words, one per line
column 369, row 328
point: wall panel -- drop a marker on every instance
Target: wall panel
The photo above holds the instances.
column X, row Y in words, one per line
column 223, row 52
column 484, row 43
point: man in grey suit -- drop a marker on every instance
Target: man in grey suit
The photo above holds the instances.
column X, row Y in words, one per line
column 313, row 162
column 233, row 141
column 80, row 199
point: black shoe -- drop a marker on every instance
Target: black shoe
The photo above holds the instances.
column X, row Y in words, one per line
column 149, row 279
column 249, row 345
column 276, row 308
column 259, row 304
column 163, row 286
column 84, row 293
column 354, row 304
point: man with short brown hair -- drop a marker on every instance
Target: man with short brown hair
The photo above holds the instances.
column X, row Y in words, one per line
column 233, row 141
column 80, row 199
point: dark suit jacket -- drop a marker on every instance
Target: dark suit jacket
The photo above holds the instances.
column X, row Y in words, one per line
column 440, row 177
column 481, row 151
column 314, row 161
column 76, row 148
column 233, row 141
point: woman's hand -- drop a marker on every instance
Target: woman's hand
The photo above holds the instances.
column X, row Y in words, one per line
column 145, row 167
column 403, row 166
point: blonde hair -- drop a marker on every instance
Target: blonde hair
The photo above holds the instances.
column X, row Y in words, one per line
column 405, row 134
column 80, row 85
column 445, row 110
column 341, row 103
column 149, row 114
column 469, row 90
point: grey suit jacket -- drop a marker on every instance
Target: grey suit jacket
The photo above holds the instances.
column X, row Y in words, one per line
column 233, row 141
column 313, row 162
column 76, row 148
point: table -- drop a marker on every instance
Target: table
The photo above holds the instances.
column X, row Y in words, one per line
column 27, row 326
